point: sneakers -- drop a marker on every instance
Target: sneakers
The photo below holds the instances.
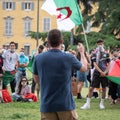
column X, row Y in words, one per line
column 102, row 106
column 85, row 106
column 30, row 100
column 79, row 96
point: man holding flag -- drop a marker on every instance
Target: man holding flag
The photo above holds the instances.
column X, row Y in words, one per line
column 53, row 70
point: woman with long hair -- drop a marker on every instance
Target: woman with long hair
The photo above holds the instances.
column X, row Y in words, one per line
column 24, row 92
column 81, row 76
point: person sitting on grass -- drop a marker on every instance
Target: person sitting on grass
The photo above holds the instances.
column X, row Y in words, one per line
column 24, row 92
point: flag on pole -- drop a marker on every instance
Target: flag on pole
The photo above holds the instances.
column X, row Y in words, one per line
column 114, row 74
column 67, row 12
column 30, row 65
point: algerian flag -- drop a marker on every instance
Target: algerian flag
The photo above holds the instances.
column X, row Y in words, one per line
column 67, row 12
column 114, row 73
column 30, row 65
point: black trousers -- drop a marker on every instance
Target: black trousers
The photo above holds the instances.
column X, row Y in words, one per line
column 33, row 86
column 113, row 90
column 12, row 86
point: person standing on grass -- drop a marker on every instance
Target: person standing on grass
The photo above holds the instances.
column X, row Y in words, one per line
column 40, row 50
column 53, row 70
column 21, row 70
column 10, row 60
column 81, row 76
column 101, row 63
column 1, row 72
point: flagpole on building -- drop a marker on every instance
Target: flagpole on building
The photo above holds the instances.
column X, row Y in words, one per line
column 37, row 35
column 85, row 38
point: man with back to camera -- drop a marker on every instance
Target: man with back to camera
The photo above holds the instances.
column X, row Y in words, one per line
column 53, row 70
column 101, row 62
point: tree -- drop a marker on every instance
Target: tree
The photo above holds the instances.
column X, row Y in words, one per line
column 43, row 36
column 33, row 35
column 108, row 15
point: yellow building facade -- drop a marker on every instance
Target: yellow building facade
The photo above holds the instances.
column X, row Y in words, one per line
column 17, row 17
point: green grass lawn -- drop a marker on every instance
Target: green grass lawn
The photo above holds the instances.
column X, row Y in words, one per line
column 30, row 111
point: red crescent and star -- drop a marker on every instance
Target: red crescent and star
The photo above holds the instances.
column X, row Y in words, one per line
column 69, row 12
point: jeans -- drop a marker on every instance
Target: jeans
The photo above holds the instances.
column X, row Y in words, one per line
column 18, row 77
column 15, row 96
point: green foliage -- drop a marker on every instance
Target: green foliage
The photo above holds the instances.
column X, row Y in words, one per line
column 66, row 38
column 41, row 35
column 109, row 40
column 73, row 47
column 108, row 15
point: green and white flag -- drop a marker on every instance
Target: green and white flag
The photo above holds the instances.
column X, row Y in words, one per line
column 67, row 12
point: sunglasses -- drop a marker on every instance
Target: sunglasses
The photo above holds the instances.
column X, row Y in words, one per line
column 24, row 80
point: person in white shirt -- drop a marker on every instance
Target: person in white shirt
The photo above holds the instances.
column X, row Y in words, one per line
column 10, row 60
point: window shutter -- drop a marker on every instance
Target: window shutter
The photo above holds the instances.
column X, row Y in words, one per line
column 3, row 5
column 32, row 8
column 13, row 4
column 23, row 6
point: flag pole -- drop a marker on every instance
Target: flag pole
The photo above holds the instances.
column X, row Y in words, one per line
column 85, row 38
column 84, row 30
column 37, row 35
column 71, row 38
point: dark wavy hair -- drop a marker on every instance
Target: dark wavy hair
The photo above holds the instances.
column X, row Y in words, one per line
column 20, row 85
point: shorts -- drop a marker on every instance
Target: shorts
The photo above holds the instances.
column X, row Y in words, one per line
column 81, row 76
column 98, row 80
column 64, row 115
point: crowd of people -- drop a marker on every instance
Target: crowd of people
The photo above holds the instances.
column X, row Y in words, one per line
column 53, row 70
column 12, row 72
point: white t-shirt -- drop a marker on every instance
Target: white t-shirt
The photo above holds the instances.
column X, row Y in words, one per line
column 9, row 60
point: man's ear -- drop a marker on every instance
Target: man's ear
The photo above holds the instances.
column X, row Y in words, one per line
column 48, row 43
column 61, row 41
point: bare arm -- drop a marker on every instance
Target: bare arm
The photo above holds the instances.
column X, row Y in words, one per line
column 84, row 62
column 108, row 68
column 23, row 65
column 36, row 78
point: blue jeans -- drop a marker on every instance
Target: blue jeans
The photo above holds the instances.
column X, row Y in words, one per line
column 18, row 77
column 15, row 96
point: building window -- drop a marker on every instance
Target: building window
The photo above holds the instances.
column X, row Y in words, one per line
column 27, row 6
column 46, row 24
column 27, row 50
column 8, row 26
column 8, row 5
column 27, row 25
